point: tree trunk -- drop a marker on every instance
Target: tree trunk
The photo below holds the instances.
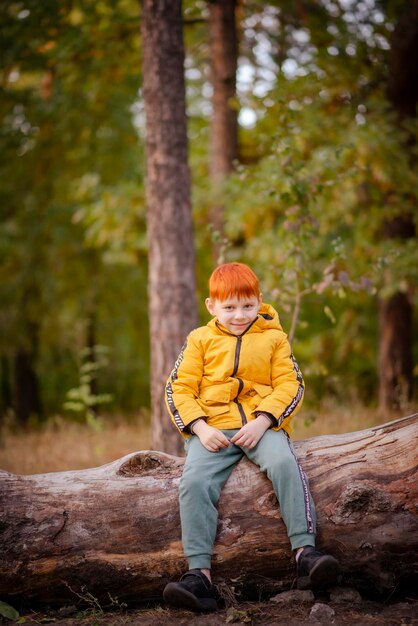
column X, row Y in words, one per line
column 26, row 395
column 26, row 389
column 116, row 529
column 5, row 386
column 403, row 78
column 395, row 312
column 395, row 356
column 171, row 282
column 224, row 127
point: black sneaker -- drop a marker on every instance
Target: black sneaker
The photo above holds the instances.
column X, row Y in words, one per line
column 315, row 570
column 194, row 591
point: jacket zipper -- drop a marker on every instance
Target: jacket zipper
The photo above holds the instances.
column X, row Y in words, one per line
column 237, row 353
column 241, row 384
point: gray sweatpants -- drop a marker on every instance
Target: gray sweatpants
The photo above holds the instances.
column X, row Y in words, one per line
column 205, row 473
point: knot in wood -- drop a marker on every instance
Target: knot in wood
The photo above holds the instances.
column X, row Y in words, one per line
column 358, row 500
column 267, row 505
column 139, row 464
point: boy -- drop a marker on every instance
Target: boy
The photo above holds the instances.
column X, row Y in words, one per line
column 233, row 392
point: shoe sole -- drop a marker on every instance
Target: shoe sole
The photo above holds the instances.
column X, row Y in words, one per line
column 177, row 596
column 323, row 575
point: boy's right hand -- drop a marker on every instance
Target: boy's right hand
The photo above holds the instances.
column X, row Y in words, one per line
column 211, row 438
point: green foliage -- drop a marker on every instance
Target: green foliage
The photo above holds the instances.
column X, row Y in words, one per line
column 301, row 251
column 8, row 611
column 82, row 400
column 72, row 222
column 235, row 615
column 323, row 169
column 93, row 605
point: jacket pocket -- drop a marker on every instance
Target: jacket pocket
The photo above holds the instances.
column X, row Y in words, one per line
column 256, row 394
column 216, row 394
column 215, row 399
column 263, row 390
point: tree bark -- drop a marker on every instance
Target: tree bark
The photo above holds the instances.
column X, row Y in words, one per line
column 171, row 282
column 5, row 386
column 116, row 529
column 223, row 42
column 27, row 401
column 395, row 312
column 403, row 78
column 395, row 353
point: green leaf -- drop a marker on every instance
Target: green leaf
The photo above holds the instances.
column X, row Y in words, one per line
column 8, row 611
column 73, row 406
column 235, row 615
column 329, row 314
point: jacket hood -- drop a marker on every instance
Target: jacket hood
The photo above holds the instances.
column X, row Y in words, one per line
column 267, row 318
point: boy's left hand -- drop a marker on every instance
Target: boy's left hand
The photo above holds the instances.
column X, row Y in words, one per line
column 249, row 435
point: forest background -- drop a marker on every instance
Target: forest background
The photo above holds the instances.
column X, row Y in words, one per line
column 318, row 194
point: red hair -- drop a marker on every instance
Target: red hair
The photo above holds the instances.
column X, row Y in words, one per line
column 233, row 279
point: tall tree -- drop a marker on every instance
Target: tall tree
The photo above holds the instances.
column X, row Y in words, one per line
column 171, row 281
column 223, row 42
column 396, row 312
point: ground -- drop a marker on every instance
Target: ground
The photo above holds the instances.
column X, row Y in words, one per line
column 295, row 611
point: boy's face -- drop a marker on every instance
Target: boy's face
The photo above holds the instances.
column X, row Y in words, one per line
column 235, row 314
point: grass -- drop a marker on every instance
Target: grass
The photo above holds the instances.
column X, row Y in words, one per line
column 61, row 445
column 335, row 419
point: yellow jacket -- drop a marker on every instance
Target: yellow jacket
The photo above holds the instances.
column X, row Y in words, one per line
column 227, row 379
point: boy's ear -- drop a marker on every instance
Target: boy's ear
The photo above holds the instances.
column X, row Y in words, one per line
column 209, row 306
column 260, row 298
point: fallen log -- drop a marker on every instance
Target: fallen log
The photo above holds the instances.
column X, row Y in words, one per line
column 115, row 530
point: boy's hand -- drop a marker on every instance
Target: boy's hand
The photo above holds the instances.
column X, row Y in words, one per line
column 249, row 435
column 211, row 438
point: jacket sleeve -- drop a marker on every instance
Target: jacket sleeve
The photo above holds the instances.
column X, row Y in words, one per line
column 183, row 385
column 288, row 386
